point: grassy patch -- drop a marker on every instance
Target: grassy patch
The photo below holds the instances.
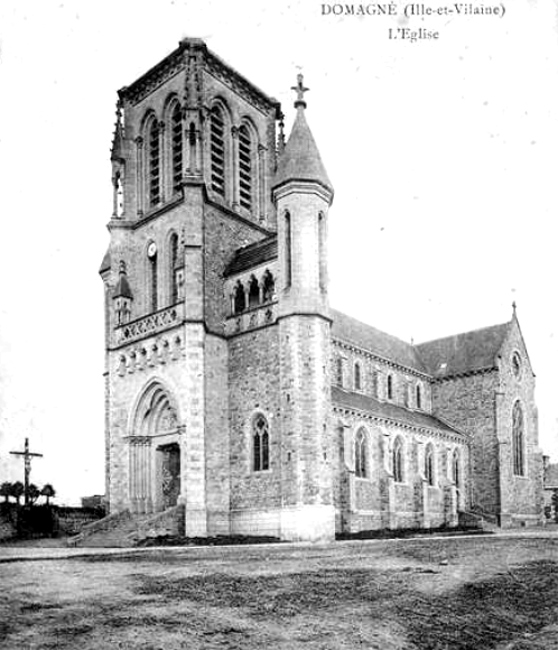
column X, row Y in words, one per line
column 478, row 615
column 486, row 613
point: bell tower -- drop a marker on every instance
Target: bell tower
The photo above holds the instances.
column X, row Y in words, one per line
column 302, row 194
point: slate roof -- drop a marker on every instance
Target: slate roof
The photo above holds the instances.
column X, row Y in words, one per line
column 260, row 252
column 463, row 353
column 122, row 288
column 365, row 336
column 551, row 476
column 387, row 410
column 301, row 159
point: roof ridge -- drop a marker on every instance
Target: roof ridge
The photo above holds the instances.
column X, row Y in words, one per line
column 357, row 320
column 255, row 244
column 391, row 412
column 452, row 336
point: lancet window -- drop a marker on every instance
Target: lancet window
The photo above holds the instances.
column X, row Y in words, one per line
column 361, row 459
column 288, row 250
column 260, row 443
column 429, row 464
column 153, row 163
column 390, row 387
column 357, row 378
column 176, row 147
column 268, row 289
column 398, row 476
column 217, row 150
column 455, row 469
column 245, row 167
column 153, row 282
column 173, row 264
column 518, row 440
column 253, row 292
column 239, row 298
column 339, row 371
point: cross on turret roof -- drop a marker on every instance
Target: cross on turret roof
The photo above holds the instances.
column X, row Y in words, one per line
column 300, row 89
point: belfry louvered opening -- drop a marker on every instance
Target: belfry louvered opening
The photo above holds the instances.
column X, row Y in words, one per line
column 245, row 167
column 217, row 150
column 176, row 148
column 154, row 161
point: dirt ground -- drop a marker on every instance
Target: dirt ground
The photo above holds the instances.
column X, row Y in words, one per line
column 424, row 594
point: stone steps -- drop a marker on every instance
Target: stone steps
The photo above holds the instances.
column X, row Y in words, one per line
column 123, row 530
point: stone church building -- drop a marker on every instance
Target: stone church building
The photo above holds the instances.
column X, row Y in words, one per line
column 237, row 399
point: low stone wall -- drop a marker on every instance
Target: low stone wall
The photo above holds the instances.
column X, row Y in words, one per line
column 8, row 524
column 71, row 521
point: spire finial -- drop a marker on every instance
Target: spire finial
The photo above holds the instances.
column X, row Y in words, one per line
column 300, row 89
column 514, row 307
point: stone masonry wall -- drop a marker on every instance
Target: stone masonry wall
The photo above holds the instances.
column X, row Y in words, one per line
column 254, row 388
column 521, row 496
column 223, row 235
column 217, row 436
column 469, row 403
column 376, row 501
column 374, row 374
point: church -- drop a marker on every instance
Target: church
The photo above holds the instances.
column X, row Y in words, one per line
column 237, row 400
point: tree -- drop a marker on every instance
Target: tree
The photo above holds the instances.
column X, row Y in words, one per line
column 17, row 491
column 33, row 494
column 6, row 491
column 48, row 491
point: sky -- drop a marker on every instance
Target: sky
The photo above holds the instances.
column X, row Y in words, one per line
column 442, row 153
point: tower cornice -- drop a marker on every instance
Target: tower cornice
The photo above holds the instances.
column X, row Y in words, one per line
column 302, row 186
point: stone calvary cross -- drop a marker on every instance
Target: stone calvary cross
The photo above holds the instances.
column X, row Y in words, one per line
column 27, row 455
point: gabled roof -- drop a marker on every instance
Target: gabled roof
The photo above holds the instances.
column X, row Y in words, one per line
column 462, row 353
column 301, row 160
column 259, row 252
column 369, row 338
column 387, row 410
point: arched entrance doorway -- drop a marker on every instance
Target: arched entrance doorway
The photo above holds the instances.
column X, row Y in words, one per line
column 154, row 452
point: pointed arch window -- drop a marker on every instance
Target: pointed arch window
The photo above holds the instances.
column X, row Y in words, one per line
column 217, row 150
column 418, row 395
column 518, row 440
column 245, row 167
column 260, row 443
column 339, row 371
column 173, row 268
column 288, row 251
column 268, row 286
column 253, row 292
column 322, row 252
column 361, row 459
column 398, row 461
column 176, row 148
column 239, row 298
column 358, row 377
column 455, row 470
column 118, row 195
column 154, row 163
column 153, row 279
column 390, row 387
column 429, row 464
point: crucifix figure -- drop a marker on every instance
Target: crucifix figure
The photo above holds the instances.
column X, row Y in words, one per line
column 27, row 455
column 300, row 89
